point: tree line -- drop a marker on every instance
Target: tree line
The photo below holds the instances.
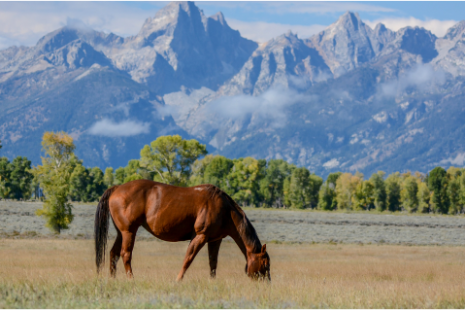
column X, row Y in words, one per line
column 251, row 182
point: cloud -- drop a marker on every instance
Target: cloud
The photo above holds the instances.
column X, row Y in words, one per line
column 421, row 76
column 268, row 106
column 127, row 128
column 437, row 27
column 282, row 7
column 26, row 22
column 459, row 160
column 325, row 7
column 263, row 31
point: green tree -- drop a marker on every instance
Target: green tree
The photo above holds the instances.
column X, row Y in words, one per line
column 197, row 175
column 217, row 170
column 171, row 157
column 363, row 198
column 393, row 187
column 54, row 177
column 244, row 178
column 79, row 182
column 119, row 176
column 272, row 184
column 346, row 186
column 461, row 180
column 15, row 178
column 5, row 177
column 409, row 193
column 437, row 183
column 21, row 178
column 131, row 171
column 454, row 190
column 108, row 178
column 97, row 186
column 327, row 195
column 424, row 196
column 302, row 189
column 379, row 190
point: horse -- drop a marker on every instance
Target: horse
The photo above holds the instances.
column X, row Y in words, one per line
column 202, row 214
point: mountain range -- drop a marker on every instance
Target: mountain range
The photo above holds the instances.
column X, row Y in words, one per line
column 350, row 98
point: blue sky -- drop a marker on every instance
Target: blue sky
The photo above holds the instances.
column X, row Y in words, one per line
column 23, row 23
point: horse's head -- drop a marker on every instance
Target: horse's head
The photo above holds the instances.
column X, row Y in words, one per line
column 258, row 265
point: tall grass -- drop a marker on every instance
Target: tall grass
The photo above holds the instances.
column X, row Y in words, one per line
column 61, row 274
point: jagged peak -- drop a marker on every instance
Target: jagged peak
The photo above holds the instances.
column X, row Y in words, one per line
column 168, row 16
column 455, row 30
column 381, row 28
column 347, row 21
column 219, row 17
column 57, row 39
column 286, row 39
column 350, row 17
column 401, row 32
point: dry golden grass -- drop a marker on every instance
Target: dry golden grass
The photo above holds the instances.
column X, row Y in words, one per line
column 61, row 274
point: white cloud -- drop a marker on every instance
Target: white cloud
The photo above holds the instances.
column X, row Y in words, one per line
column 421, row 76
column 323, row 7
column 26, row 22
column 305, row 7
column 262, row 31
column 268, row 106
column 109, row 128
column 459, row 160
column 333, row 163
column 437, row 27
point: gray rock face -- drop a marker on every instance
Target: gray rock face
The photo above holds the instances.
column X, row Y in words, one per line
column 347, row 43
column 282, row 62
column 451, row 50
column 380, row 37
column 197, row 50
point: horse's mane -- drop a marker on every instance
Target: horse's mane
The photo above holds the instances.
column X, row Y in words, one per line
column 243, row 225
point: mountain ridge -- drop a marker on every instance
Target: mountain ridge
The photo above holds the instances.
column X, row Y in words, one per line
column 348, row 98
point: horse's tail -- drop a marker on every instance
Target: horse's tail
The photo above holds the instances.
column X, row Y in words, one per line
column 101, row 227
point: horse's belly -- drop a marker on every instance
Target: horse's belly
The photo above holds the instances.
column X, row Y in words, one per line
column 172, row 231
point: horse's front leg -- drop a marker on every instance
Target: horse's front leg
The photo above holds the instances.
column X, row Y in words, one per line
column 194, row 247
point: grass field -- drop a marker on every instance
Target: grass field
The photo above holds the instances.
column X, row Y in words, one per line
column 61, row 274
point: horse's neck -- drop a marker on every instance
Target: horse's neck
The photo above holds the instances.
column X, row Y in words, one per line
column 246, row 233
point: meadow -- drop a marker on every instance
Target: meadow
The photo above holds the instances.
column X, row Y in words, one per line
column 318, row 260
column 46, row 273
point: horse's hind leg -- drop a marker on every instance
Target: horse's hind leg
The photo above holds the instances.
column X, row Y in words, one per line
column 115, row 253
column 194, row 247
column 126, row 250
column 213, row 250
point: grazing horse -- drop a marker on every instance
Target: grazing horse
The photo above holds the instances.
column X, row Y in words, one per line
column 202, row 214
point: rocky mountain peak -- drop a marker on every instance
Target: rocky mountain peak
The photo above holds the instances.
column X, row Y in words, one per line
column 418, row 41
column 451, row 50
column 219, row 17
column 167, row 18
column 57, row 39
column 458, row 30
column 350, row 21
column 381, row 36
column 345, row 44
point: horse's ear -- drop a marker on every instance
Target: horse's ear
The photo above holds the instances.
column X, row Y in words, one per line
column 264, row 249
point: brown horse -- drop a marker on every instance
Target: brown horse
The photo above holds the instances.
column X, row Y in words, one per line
column 201, row 214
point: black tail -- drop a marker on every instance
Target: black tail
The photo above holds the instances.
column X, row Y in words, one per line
column 101, row 227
